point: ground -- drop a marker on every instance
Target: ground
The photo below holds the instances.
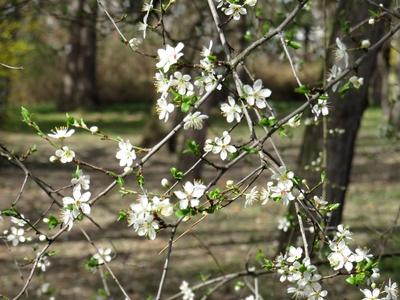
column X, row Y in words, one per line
column 231, row 235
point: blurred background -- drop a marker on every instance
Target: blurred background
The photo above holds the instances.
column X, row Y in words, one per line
column 66, row 56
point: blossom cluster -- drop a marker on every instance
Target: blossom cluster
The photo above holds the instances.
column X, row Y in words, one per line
column 281, row 188
column 143, row 215
column 301, row 273
column 78, row 204
column 234, row 9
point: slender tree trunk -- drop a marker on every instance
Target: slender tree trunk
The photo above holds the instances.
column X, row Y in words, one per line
column 79, row 82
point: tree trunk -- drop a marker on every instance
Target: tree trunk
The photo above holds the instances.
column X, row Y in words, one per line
column 347, row 111
column 394, row 106
column 79, row 83
column 4, row 92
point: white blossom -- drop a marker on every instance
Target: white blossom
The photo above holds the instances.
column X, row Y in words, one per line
column 341, row 256
column 126, row 153
column 68, row 217
column 145, row 225
column 341, row 55
column 65, row 155
column 43, row 263
column 61, row 133
column 332, row 75
column 321, row 108
column 222, row 146
column 134, row 43
column 283, row 224
column 169, row 56
column 391, row 290
column 343, row 232
column 191, row 194
column 164, row 207
column 251, row 197
column 187, row 293
column 81, row 180
column 16, row 236
column 231, row 110
column 235, row 10
column 182, row 83
column 256, row 95
column 194, row 120
column 103, row 255
column 164, row 108
column 20, row 221
column 79, row 202
column 357, row 82
column 371, row 294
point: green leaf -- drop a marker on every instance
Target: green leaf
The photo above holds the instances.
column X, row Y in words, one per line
column 91, row 263
column 215, row 194
column 323, row 176
column 345, row 27
column 260, row 255
column 139, row 178
column 303, row 89
column 70, row 120
column 182, row 213
column 26, row 115
column 53, row 222
column 293, row 44
column 356, row 279
column 178, row 175
column 120, row 181
column 333, row 206
column 185, row 106
column 122, row 215
column 250, row 150
column 9, row 212
column 248, row 36
column 192, row 147
column 267, row 122
column 265, row 28
column 268, row 264
column 374, row 14
column 344, row 88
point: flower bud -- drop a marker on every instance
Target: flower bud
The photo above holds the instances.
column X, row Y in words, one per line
column 94, row 129
column 53, row 158
column 164, row 182
column 365, row 44
column 229, row 183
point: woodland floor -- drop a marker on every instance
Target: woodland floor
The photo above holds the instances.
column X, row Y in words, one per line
column 232, row 235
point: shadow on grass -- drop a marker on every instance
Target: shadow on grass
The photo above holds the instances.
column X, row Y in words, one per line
column 116, row 118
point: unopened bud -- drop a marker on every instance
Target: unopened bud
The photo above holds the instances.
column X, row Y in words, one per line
column 365, row 44
column 164, row 182
column 94, row 129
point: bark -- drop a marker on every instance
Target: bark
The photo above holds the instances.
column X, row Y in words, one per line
column 79, row 82
column 4, row 92
column 394, row 108
column 380, row 83
column 347, row 111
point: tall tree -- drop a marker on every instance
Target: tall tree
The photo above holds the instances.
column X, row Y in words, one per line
column 347, row 110
column 79, row 82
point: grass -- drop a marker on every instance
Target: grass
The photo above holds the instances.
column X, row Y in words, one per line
column 231, row 235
